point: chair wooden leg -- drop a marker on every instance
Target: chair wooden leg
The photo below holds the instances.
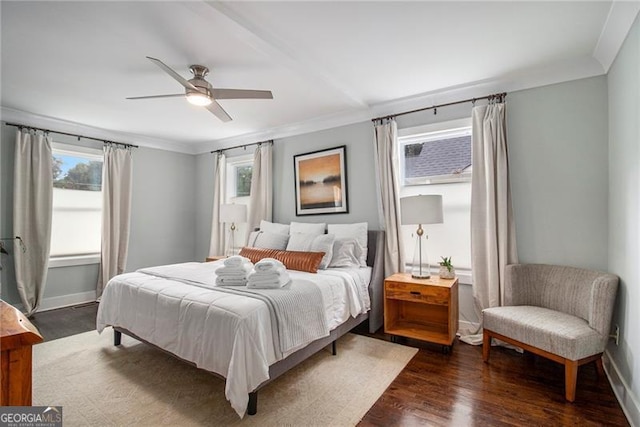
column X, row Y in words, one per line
column 486, row 345
column 570, row 379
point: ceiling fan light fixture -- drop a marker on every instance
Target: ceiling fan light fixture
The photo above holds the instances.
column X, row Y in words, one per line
column 199, row 99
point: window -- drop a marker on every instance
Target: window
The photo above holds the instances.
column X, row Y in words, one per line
column 243, row 180
column 436, row 159
column 239, row 171
column 77, row 205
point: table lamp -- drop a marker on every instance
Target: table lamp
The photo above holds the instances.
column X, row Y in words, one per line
column 422, row 209
column 231, row 214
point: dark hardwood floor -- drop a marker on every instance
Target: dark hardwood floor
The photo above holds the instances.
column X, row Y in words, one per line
column 513, row 389
column 60, row 323
column 455, row 389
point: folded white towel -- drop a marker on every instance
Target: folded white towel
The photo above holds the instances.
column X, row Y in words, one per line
column 233, row 276
column 242, row 269
column 269, row 276
column 230, row 281
column 268, row 273
column 269, row 284
column 268, row 264
column 235, row 261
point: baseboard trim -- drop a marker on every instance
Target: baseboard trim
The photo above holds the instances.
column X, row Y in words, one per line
column 628, row 401
column 53, row 303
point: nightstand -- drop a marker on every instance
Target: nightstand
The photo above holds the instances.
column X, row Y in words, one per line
column 215, row 258
column 423, row 309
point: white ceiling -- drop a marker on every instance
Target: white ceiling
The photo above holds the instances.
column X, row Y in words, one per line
column 70, row 65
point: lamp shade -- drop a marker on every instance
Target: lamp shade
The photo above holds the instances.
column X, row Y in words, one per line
column 422, row 209
column 233, row 213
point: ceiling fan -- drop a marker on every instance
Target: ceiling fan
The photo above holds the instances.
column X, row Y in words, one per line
column 198, row 91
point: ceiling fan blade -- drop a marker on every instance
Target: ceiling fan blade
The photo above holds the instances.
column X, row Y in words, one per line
column 241, row 94
column 218, row 111
column 184, row 82
column 157, row 96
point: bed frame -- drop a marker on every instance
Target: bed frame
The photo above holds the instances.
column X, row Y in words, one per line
column 375, row 317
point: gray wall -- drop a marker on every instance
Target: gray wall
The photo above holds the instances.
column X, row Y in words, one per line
column 558, row 163
column 624, row 209
column 361, row 190
column 162, row 226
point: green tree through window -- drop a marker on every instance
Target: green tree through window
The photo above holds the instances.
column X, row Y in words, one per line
column 86, row 175
column 243, row 181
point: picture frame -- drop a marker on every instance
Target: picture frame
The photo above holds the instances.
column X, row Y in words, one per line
column 321, row 182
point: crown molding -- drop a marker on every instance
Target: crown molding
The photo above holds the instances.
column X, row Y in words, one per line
column 54, row 124
column 560, row 72
column 621, row 16
column 519, row 80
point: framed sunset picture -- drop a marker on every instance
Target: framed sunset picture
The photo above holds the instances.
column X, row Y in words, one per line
column 321, row 182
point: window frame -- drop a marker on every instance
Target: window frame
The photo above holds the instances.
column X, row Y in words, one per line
column 232, row 163
column 93, row 154
column 231, row 179
column 427, row 133
column 428, row 186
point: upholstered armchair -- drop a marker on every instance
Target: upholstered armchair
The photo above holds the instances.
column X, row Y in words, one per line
column 561, row 313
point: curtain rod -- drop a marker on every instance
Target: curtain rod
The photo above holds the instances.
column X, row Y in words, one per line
column 269, row 141
column 71, row 134
column 499, row 96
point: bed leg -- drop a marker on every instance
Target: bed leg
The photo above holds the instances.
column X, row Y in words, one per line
column 334, row 351
column 252, row 409
column 117, row 337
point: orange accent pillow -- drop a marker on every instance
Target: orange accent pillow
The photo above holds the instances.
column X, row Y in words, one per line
column 292, row 260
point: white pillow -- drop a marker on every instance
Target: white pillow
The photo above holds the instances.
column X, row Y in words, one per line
column 274, row 227
column 358, row 231
column 307, row 227
column 346, row 253
column 267, row 240
column 313, row 243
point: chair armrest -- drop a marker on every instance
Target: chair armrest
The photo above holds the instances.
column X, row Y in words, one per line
column 603, row 296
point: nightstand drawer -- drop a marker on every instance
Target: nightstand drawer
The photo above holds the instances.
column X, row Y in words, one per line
column 417, row 293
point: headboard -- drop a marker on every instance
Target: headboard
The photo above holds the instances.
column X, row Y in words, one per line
column 375, row 259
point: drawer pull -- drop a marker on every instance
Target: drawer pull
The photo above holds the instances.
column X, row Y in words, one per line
column 415, row 293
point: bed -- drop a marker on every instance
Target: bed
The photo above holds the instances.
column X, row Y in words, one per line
column 232, row 335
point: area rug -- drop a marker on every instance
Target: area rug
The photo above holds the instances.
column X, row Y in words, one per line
column 98, row 384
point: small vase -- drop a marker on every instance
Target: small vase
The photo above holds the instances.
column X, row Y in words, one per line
column 446, row 274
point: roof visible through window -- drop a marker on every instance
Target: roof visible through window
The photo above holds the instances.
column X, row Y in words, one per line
column 448, row 156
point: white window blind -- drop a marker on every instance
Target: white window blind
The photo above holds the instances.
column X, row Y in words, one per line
column 77, row 202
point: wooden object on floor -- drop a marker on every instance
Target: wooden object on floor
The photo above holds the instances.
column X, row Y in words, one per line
column 423, row 309
column 17, row 336
column 215, row 258
column 570, row 366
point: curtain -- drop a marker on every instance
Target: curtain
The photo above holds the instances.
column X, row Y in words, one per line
column 117, row 181
column 260, row 199
column 217, row 244
column 386, row 163
column 493, row 238
column 32, row 207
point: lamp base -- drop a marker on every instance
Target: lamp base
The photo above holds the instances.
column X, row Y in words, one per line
column 420, row 266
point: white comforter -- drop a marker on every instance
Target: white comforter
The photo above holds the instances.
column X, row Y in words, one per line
column 224, row 333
